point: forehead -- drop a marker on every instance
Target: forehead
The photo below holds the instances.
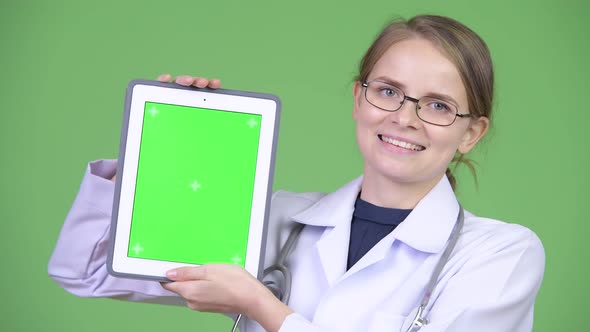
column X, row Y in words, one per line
column 420, row 68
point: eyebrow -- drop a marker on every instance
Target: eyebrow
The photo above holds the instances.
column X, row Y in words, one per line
column 429, row 94
column 389, row 81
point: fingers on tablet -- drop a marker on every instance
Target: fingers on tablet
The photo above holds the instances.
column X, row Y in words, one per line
column 215, row 83
column 200, row 82
column 186, row 80
column 164, row 78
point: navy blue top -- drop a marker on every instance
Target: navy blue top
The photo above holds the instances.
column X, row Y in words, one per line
column 370, row 224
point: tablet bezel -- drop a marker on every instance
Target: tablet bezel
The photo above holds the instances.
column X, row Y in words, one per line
column 138, row 93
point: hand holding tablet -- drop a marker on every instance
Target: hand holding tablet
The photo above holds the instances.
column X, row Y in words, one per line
column 194, row 179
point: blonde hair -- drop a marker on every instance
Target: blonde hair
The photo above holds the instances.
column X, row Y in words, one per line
column 463, row 47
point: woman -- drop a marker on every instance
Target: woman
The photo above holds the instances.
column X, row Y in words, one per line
column 365, row 256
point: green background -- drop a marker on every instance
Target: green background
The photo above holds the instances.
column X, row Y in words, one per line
column 66, row 64
column 176, row 222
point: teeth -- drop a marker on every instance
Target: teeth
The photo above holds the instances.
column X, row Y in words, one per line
column 402, row 144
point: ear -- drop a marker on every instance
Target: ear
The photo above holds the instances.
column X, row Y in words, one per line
column 476, row 130
column 357, row 90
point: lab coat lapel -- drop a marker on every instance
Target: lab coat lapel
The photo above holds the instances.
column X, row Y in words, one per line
column 333, row 252
column 377, row 253
column 426, row 229
column 430, row 224
column 334, row 211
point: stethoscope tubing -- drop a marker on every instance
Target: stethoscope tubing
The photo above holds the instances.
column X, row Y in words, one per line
column 419, row 320
column 282, row 268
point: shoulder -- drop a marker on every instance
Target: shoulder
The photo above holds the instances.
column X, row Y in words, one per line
column 310, row 197
column 492, row 239
column 494, row 275
column 285, row 204
column 499, row 232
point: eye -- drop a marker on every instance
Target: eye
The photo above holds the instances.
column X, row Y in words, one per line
column 439, row 106
column 389, row 92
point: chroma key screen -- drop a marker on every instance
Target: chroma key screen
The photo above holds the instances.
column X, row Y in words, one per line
column 195, row 183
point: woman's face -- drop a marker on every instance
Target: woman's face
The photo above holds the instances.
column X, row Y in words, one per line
column 419, row 69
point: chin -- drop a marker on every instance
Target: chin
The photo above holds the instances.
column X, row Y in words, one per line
column 405, row 174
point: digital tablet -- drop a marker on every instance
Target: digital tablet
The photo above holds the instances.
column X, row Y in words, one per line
column 194, row 179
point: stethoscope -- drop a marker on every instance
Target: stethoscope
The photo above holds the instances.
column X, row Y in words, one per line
column 283, row 293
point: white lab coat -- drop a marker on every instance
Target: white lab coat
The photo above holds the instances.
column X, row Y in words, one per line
column 489, row 283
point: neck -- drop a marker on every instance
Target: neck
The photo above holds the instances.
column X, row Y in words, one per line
column 385, row 192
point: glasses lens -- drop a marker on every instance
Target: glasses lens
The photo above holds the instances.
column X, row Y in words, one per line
column 384, row 96
column 436, row 111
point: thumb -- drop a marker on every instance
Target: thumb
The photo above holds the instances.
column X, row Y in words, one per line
column 187, row 273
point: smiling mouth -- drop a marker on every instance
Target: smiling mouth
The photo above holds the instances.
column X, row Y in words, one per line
column 401, row 144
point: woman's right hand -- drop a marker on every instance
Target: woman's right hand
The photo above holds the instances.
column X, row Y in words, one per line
column 187, row 80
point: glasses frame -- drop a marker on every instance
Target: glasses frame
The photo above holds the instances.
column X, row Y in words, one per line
column 412, row 99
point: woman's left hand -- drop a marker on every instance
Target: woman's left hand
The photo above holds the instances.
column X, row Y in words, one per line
column 221, row 288
column 226, row 288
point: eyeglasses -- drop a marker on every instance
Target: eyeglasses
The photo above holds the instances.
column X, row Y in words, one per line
column 428, row 109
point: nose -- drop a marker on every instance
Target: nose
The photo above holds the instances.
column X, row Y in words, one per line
column 406, row 116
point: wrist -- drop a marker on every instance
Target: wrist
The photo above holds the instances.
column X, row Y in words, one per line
column 267, row 310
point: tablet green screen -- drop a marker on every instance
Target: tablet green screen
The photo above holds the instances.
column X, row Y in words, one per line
column 195, row 182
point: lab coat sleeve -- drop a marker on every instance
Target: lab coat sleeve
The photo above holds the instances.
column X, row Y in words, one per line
column 297, row 323
column 494, row 291
column 78, row 262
